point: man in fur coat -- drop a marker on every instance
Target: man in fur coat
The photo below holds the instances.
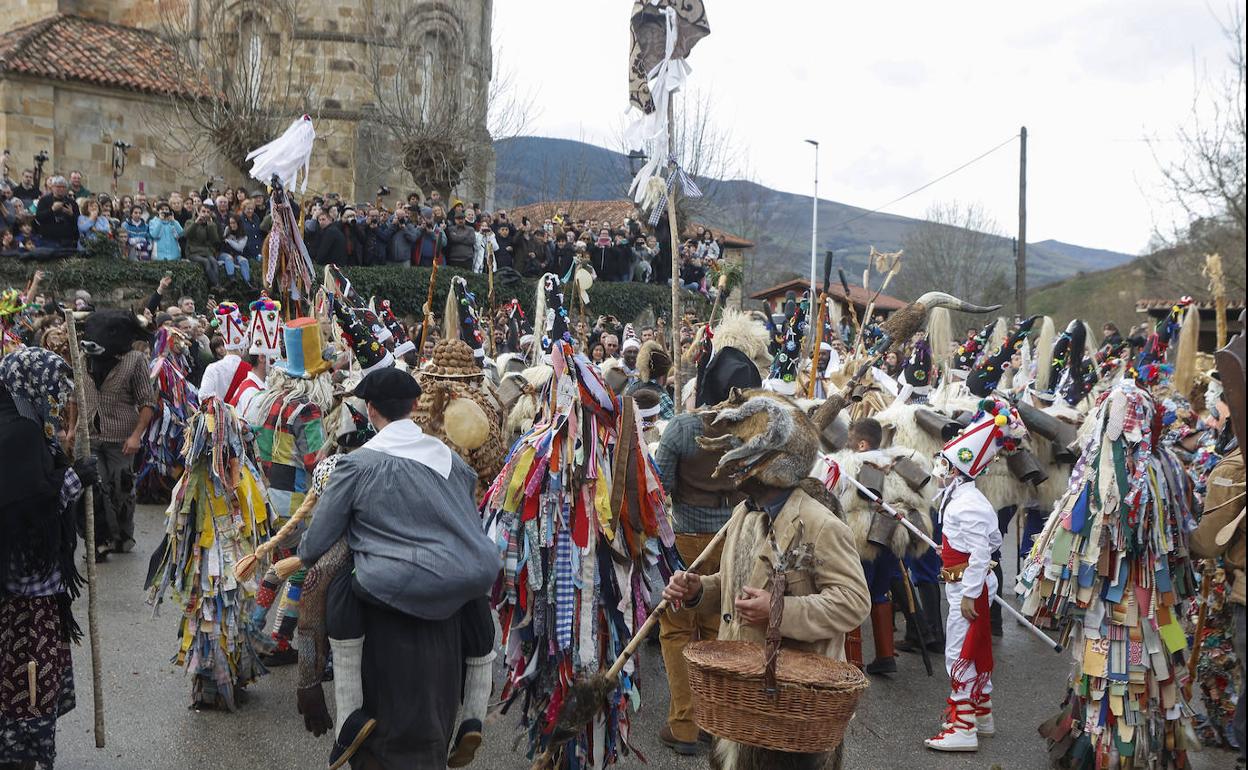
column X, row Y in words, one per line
column 771, row 447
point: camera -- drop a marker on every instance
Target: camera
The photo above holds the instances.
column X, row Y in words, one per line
column 123, row 146
column 383, row 191
column 42, row 157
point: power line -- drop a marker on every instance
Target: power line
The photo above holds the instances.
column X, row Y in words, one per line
column 917, row 190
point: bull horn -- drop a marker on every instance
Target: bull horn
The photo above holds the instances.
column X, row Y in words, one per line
column 940, row 299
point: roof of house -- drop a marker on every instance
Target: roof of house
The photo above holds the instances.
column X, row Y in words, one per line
column 857, row 295
column 1164, row 305
column 73, row 48
column 613, row 211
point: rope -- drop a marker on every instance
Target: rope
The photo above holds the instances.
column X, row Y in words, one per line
column 917, row 190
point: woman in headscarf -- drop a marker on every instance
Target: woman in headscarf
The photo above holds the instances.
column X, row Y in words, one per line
column 39, row 491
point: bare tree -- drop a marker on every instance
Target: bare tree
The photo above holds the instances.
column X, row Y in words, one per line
column 959, row 249
column 244, row 55
column 441, row 117
column 1208, row 181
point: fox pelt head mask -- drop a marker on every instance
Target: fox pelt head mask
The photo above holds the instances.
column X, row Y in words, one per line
column 767, row 439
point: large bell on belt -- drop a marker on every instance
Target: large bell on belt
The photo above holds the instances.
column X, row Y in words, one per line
column 912, row 473
column 881, row 530
column 1062, row 434
column 872, row 478
column 836, row 435
column 936, row 424
column 1024, row 466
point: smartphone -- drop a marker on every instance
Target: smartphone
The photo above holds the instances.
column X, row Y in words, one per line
column 141, row 187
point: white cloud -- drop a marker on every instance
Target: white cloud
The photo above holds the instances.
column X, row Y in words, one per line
column 901, row 92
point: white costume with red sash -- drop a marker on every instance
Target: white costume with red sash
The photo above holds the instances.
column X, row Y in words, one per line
column 232, row 380
column 969, row 525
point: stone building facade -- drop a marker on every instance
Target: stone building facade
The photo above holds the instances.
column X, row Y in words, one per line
column 78, row 75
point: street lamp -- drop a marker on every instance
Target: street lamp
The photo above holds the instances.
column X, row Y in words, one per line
column 814, row 226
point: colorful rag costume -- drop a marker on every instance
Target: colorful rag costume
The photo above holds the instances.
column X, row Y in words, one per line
column 578, row 515
column 1112, row 568
column 217, row 516
column 38, row 575
column 176, row 398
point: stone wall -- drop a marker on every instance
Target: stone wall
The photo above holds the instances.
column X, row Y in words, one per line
column 77, row 125
column 329, row 42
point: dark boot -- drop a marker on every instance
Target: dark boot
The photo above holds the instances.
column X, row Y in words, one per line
column 929, row 596
column 882, row 631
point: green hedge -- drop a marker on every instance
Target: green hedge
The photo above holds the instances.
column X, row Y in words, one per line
column 120, row 282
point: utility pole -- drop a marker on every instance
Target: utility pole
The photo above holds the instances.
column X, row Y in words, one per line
column 1020, row 257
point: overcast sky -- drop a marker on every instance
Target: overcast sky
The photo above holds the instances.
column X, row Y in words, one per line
column 899, row 93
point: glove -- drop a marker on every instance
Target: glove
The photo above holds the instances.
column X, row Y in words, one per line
column 87, row 470
column 311, row 704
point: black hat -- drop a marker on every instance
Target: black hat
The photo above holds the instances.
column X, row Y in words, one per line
column 728, row 369
column 388, row 384
column 987, row 373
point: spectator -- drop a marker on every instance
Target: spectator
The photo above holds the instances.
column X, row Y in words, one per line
column 8, row 244
column 10, row 207
column 57, row 216
column 404, row 237
column 190, row 205
column 26, row 234
column 220, row 209
column 233, row 249
column 692, row 273
column 92, row 225
column 203, row 243
column 352, row 236
column 486, row 244
column 461, row 242
column 138, row 239
column 329, row 245
column 611, row 344
column 430, row 241
column 27, row 192
column 252, row 224
column 642, row 256
column 505, row 254
column 377, row 236
column 538, row 255
column 76, row 185
column 164, row 232
column 597, row 353
column 562, row 254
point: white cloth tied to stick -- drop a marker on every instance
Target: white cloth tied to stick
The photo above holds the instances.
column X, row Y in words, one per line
column 665, row 78
column 286, row 155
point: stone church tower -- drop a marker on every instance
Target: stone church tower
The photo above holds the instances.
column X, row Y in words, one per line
column 76, row 76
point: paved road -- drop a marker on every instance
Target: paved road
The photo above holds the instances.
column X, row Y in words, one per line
column 150, row 727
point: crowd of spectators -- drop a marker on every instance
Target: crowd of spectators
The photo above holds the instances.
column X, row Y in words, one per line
column 222, row 230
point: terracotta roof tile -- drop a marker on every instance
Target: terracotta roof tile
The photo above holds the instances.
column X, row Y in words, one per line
column 72, row 48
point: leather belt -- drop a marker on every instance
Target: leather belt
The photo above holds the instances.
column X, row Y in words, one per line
column 954, row 574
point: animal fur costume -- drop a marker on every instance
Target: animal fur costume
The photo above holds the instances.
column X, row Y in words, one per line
column 771, row 444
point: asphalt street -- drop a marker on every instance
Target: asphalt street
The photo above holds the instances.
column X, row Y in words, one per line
column 149, row 726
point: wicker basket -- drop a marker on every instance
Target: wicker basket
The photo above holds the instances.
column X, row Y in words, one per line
column 815, row 701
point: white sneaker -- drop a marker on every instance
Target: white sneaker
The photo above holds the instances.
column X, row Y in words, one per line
column 984, row 724
column 959, row 732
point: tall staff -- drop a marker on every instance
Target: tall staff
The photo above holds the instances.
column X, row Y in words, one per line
column 82, row 448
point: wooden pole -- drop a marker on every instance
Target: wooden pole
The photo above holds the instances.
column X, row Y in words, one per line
column 489, row 271
column 674, row 233
column 1020, row 259
column 424, row 328
column 82, row 448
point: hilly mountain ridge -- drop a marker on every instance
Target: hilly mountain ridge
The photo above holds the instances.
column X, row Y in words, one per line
column 534, row 169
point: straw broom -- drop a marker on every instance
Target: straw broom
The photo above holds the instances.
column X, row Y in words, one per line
column 82, row 448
